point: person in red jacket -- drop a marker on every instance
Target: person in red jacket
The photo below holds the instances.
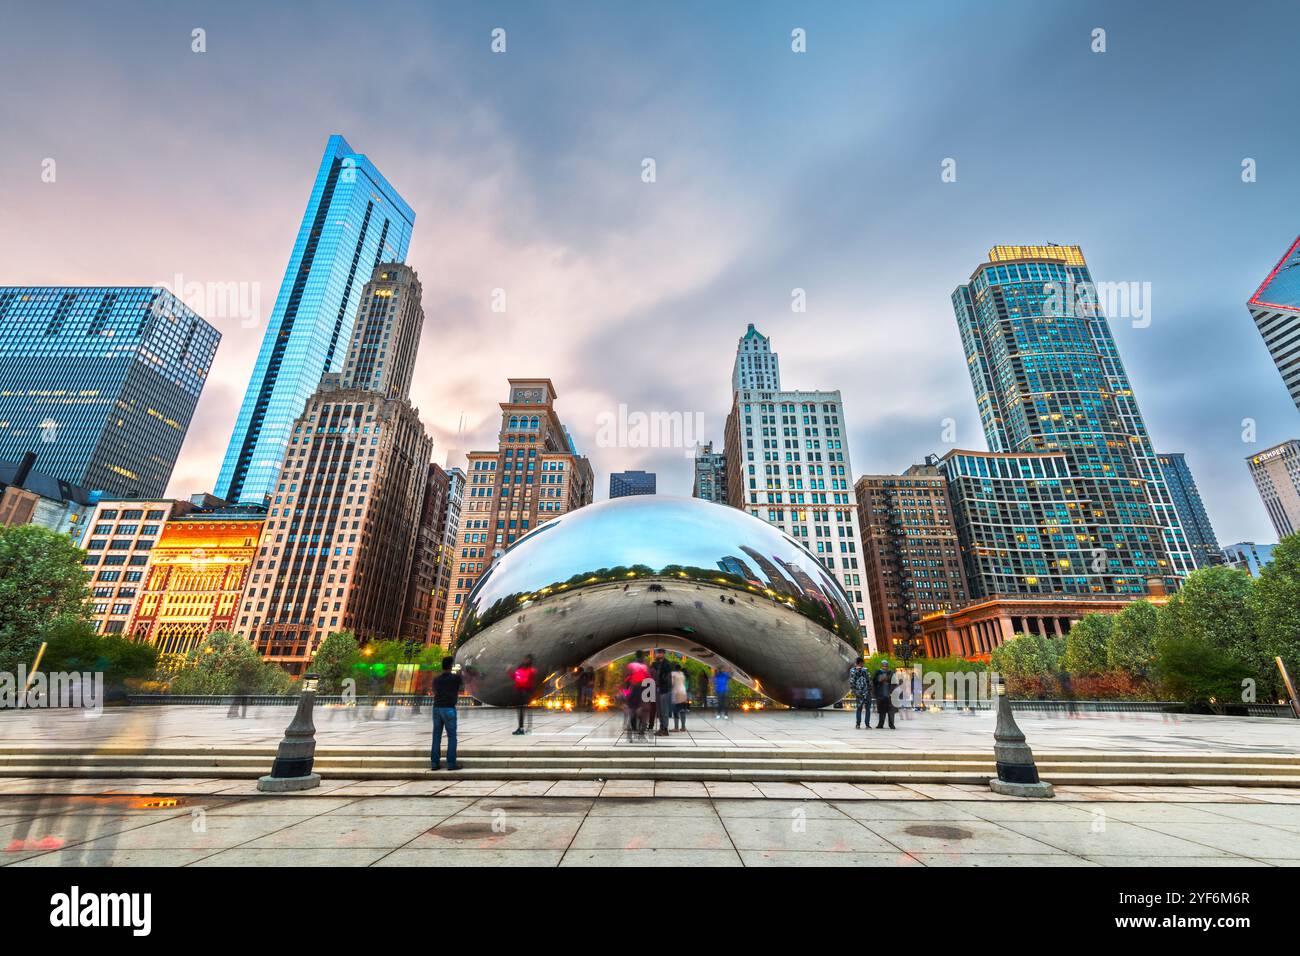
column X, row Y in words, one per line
column 525, row 678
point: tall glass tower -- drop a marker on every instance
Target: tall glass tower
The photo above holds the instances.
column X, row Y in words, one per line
column 1048, row 380
column 1275, row 307
column 100, row 383
column 354, row 221
column 1201, row 539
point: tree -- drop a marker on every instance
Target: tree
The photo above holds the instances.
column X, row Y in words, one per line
column 1131, row 645
column 1085, row 645
column 1205, row 638
column 334, row 660
column 227, row 664
column 1026, row 656
column 42, row 581
column 74, row 646
column 1275, row 606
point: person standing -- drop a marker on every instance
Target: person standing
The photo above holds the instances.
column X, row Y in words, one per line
column 680, row 698
column 721, row 683
column 884, row 685
column 663, row 675
column 446, row 691
column 525, row 678
column 860, row 684
column 704, row 690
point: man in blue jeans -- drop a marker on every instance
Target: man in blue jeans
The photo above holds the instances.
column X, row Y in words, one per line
column 860, row 684
column 446, row 689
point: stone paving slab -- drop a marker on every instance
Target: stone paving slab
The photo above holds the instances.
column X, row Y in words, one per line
column 505, row 828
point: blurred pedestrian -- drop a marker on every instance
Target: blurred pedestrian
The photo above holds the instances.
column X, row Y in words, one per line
column 884, row 685
column 681, row 699
column 663, row 677
column 525, row 679
column 635, row 685
column 721, row 684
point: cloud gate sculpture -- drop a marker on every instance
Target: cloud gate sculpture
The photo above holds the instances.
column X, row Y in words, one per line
column 704, row 579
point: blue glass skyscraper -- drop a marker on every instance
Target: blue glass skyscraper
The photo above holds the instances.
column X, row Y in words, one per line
column 1072, row 498
column 1201, row 540
column 354, row 221
column 100, row 383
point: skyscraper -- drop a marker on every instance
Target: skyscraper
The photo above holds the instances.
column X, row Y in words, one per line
column 624, row 483
column 805, row 488
column 426, row 597
column 1275, row 307
column 910, row 552
column 1070, row 497
column 710, row 474
column 756, row 367
column 1201, row 540
column 1276, row 472
column 354, row 221
column 100, row 382
column 448, row 535
column 339, row 541
column 533, row 475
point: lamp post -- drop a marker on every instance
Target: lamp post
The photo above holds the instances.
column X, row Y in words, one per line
column 1017, row 773
column 293, row 760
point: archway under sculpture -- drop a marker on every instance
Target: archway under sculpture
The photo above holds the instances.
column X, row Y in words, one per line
column 704, row 579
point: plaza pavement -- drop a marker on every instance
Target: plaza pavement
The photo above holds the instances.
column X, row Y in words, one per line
column 436, row 821
column 204, row 726
column 637, row 823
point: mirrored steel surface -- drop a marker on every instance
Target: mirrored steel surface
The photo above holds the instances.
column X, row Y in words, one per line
column 656, row 571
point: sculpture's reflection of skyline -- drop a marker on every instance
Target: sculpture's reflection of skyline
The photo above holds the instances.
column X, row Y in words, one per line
column 704, row 579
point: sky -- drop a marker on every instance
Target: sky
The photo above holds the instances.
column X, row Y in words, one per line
column 774, row 171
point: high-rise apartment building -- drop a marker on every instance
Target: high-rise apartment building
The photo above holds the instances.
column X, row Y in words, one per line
column 1070, row 498
column 624, row 483
column 448, row 536
column 1201, row 540
column 354, row 221
column 533, row 475
column 1275, row 307
column 911, row 555
column 426, row 597
column 341, row 526
column 1248, row 556
column 195, row 577
column 101, row 382
column 1276, row 472
column 788, row 463
column 710, row 474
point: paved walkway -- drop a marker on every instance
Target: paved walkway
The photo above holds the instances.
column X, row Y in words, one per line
column 177, row 725
column 639, row 823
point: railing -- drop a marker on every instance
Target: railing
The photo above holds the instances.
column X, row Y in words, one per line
column 1029, row 706
column 273, row 700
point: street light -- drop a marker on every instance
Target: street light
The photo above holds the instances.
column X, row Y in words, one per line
column 1017, row 772
column 297, row 751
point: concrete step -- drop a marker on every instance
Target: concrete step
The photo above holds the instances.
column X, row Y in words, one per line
column 711, row 775
column 27, row 751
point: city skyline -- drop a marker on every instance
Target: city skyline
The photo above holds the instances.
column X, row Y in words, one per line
column 696, row 256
